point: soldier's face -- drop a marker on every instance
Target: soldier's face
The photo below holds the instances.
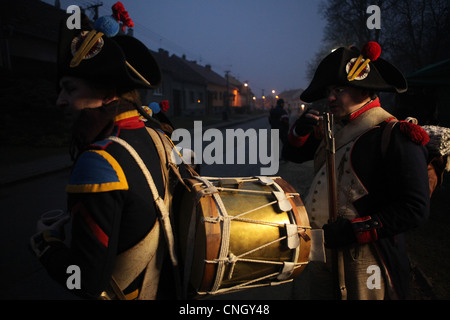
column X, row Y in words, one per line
column 77, row 94
column 345, row 100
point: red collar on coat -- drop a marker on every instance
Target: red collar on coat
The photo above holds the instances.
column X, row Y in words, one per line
column 372, row 104
column 129, row 120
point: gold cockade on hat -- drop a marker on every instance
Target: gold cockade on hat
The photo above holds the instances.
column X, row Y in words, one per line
column 370, row 52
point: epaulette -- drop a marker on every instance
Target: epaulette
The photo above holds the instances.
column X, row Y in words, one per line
column 414, row 132
column 96, row 171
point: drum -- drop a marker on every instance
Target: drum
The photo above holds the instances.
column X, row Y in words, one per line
column 237, row 233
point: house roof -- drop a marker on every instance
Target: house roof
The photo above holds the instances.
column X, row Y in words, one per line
column 206, row 72
column 176, row 68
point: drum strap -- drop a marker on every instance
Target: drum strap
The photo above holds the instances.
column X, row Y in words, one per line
column 146, row 255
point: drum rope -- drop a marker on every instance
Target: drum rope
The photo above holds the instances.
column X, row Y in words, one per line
column 240, row 179
column 238, row 217
column 252, row 191
column 248, row 284
column 232, row 259
column 292, row 194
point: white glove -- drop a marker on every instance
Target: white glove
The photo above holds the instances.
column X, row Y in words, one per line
column 49, row 227
column 53, row 220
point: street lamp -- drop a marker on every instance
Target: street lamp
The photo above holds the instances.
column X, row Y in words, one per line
column 247, row 102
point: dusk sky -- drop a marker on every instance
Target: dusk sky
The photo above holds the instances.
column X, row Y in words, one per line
column 265, row 42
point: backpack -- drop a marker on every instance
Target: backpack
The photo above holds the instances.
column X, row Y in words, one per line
column 438, row 147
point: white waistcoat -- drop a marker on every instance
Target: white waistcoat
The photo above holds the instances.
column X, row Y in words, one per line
column 349, row 187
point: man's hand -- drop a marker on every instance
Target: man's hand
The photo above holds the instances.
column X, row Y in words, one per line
column 50, row 227
column 52, row 220
column 306, row 123
column 339, row 233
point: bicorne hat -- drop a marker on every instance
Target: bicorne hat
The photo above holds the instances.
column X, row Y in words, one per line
column 353, row 68
column 100, row 55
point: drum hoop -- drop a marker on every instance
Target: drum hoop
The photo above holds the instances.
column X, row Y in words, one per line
column 225, row 241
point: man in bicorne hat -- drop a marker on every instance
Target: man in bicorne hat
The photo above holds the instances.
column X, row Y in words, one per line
column 112, row 209
column 379, row 195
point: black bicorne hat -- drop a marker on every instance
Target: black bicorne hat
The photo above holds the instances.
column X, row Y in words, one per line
column 99, row 55
column 353, row 68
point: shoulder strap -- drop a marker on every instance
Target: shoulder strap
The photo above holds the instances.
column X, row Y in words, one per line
column 162, row 208
column 164, row 147
column 386, row 136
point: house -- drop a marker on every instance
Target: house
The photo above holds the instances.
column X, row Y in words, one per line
column 29, row 32
column 184, row 88
column 242, row 97
column 193, row 89
column 217, row 87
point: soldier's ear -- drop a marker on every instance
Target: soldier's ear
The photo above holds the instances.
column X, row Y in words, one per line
column 110, row 96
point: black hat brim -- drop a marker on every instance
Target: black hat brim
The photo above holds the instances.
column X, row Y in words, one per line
column 383, row 76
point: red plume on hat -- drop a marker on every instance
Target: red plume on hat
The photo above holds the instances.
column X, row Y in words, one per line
column 371, row 50
column 121, row 15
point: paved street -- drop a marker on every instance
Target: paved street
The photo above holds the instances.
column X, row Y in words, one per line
column 22, row 276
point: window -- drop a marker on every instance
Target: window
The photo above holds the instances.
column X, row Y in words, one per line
column 158, row 91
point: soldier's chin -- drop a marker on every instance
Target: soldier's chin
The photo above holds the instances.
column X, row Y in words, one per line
column 71, row 116
column 335, row 110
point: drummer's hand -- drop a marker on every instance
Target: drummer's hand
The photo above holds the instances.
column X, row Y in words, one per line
column 306, row 123
column 56, row 226
column 339, row 233
column 46, row 233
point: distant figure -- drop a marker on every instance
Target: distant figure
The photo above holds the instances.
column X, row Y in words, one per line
column 279, row 119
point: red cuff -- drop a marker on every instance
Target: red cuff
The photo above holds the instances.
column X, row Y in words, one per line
column 297, row 141
column 365, row 229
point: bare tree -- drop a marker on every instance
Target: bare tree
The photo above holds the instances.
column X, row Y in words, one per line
column 413, row 34
column 346, row 25
column 419, row 33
